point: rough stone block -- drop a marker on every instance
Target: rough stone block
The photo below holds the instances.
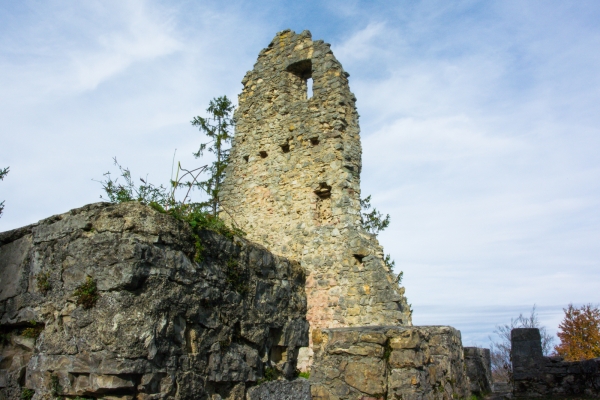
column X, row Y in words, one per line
column 298, row 389
column 366, row 375
column 406, row 369
column 479, row 370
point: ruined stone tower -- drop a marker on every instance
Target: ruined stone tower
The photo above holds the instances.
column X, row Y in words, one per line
column 293, row 183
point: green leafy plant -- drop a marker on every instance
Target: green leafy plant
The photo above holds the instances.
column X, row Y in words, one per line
column 87, row 293
column 236, row 277
column 27, row 394
column 42, row 282
column 55, row 387
column 33, row 331
column 3, row 173
column 304, row 375
column 145, row 193
column 270, row 375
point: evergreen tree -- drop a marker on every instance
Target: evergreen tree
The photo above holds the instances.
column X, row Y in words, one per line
column 372, row 221
column 218, row 126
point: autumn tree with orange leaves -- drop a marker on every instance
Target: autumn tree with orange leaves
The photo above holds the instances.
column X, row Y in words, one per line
column 579, row 333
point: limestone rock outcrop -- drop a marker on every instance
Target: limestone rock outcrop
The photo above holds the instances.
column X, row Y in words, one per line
column 163, row 326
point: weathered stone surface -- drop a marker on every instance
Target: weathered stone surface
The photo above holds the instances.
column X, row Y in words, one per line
column 537, row 376
column 164, row 326
column 423, row 362
column 298, row 389
column 293, row 183
column 479, row 370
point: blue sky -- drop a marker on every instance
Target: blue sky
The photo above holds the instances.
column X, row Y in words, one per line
column 479, row 121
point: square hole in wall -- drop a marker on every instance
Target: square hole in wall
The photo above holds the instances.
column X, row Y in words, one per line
column 263, row 154
column 314, row 141
column 285, row 148
column 359, row 257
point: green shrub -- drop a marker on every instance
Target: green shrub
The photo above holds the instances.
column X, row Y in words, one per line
column 43, row 284
column 199, row 216
column 27, row 394
column 236, row 277
column 270, row 375
column 33, row 331
column 87, row 293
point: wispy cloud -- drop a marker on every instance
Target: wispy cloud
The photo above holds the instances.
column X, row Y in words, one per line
column 63, row 51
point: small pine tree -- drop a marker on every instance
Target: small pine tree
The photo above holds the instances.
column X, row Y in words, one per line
column 218, row 127
column 579, row 333
column 372, row 221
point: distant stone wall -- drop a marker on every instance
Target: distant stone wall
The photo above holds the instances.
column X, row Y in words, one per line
column 479, row 370
column 390, row 363
column 163, row 327
column 293, row 183
column 537, row 376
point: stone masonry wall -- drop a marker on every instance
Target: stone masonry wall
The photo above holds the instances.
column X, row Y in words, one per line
column 537, row 376
column 376, row 363
column 293, row 183
column 479, row 370
column 164, row 326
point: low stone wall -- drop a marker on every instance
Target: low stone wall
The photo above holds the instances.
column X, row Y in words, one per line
column 537, row 376
column 163, row 327
column 479, row 370
column 388, row 362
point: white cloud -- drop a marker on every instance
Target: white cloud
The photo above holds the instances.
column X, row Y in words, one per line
column 361, row 44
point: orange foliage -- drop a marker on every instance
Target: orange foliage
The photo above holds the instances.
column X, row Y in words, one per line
column 579, row 333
